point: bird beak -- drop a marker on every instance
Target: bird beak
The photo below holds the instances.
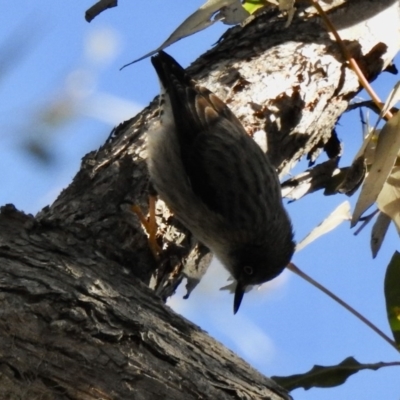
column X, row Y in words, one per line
column 239, row 292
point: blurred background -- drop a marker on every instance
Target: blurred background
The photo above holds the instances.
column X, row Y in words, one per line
column 61, row 93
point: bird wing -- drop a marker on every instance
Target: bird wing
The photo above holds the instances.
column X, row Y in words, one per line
column 226, row 168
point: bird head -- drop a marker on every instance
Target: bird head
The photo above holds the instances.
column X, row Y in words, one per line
column 254, row 264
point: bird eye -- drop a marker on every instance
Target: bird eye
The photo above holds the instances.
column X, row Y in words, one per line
column 248, row 270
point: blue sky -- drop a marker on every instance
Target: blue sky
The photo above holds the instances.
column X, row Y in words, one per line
column 64, row 89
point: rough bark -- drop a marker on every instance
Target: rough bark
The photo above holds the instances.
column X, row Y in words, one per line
column 76, row 325
column 78, row 320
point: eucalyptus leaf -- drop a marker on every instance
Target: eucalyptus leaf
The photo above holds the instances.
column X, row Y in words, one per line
column 335, row 218
column 230, row 12
column 386, row 153
column 378, row 232
column 392, row 296
column 324, row 377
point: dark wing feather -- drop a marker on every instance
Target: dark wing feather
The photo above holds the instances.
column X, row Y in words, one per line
column 221, row 161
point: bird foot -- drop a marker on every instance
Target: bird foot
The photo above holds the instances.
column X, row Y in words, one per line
column 150, row 225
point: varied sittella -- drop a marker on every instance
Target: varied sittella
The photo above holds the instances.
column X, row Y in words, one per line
column 217, row 180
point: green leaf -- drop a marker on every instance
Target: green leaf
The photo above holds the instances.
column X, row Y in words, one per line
column 324, row 377
column 392, row 296
column 251, row 6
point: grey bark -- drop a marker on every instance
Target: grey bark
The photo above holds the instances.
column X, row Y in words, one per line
column 78, row 319
column 77, row 325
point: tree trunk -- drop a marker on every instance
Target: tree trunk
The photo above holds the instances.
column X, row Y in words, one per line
column 78, row 318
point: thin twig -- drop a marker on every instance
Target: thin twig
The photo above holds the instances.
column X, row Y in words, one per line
column 353, row 63
column 302, row 274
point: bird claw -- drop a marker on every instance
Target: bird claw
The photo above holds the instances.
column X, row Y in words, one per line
column 150, row 225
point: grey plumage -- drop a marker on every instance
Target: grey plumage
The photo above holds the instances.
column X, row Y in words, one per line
column 217, row 180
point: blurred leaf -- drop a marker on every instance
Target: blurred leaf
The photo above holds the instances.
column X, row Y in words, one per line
column 230, row 12
column 39, row 151
column 17, row 45
column 325, row 377
column 98, row 8
column 251, row 6
column 378, row 232
column 392, row 296
column 385, row 156
column 57, row 112
column 337, row 216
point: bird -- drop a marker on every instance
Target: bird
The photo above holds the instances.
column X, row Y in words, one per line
column 216, row 180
